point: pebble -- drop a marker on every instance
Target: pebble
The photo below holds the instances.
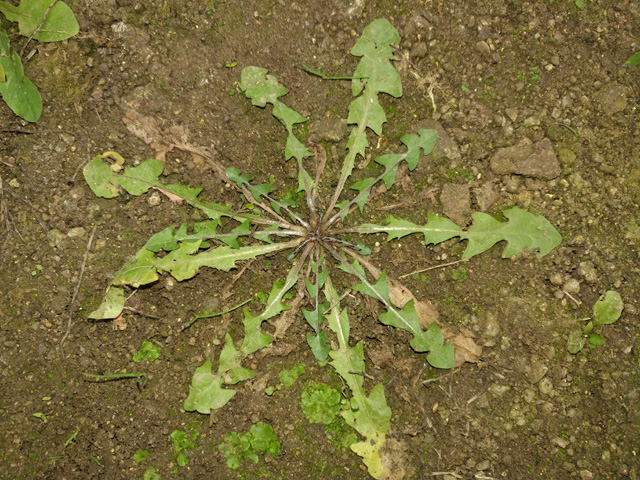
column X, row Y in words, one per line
column 560, row 442
column 483, row 465
column 588, row 271
column 545, row 386
column 556, row 279
column 154, row 199
column 571, row 286
column 77, row 232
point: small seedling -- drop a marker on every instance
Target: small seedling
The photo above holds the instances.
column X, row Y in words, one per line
column 182, row 443
column 606, row 311
column 321, row 403
column 288, row 377
column 633, row 60
column 140, row 456
column 152, row 473
column 41, row 416
column 261, row 439
column 72, row 437
column 148, row 351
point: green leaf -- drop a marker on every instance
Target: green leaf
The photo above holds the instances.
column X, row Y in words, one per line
column 206, row 392
column 152, row 473
column 320, row 403
column 319, row 345
column 148, row 351
column 104, row 182
column 111, row 306
column 60, row 23
column 522, row 230
column 608, row 308
column 375, row 48
column 167, row 240
column 633, row 60
column 575, row 342
column 260, row 87
column 184, row 262
column 19, row 93
column 140, row 456
column 288, row 377
column 594, row 340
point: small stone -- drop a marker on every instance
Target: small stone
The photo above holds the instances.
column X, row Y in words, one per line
column 536, row 371
column 526, row 158
column 612, row 98
column 560, row 442
column 512, row 113
column 588, row 271
column 483, row 47
column 483, row 465
column 456, row 202
column 556, row 279
column 419, row 50
column 566, row 157
column 571, row 286
column 586, row 474
column 545, row 386
column 154, row 199
column 490, row 325
column 329, row 129
column 77, row 232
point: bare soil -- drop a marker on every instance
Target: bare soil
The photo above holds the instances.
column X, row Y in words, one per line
column 489, row 73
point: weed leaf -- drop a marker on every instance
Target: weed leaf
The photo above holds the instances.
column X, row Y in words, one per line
column 608, row 308
column 111, row 306
column 59, row 24
column 206, row 392
column 19, row 93
column 522, row 230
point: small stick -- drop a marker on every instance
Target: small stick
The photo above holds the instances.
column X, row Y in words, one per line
column 577, row 302
column 320, row 73
column 75, row 293
column 432, row 268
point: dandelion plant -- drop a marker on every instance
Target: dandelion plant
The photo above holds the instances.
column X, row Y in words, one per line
column 318, row 237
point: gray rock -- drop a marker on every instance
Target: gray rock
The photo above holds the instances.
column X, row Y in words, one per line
column 329, row 129
column 588, row 271
column 456, row 202
column 485, row 196
column 419, row 50
column 446, row 147
column 612, row 98
column 571, row 286
column 536, row 160
column 483, row 47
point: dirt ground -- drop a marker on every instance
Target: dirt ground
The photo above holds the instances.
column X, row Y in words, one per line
column 488, row 74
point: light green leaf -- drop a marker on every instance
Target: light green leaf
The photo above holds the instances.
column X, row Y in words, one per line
column 147, row 351
column 184, row 262
column 19, row 93
column 608, row 308
column 206, row 392
column 522, row 230
column 60, row 23
column 167, row 240
column 633, row 60
column 111, row 306
column 375, row 48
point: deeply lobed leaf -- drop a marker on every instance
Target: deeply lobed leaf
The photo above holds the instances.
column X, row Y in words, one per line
column 521, row 230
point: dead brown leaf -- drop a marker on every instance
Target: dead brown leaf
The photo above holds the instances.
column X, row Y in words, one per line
column 164, row 140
